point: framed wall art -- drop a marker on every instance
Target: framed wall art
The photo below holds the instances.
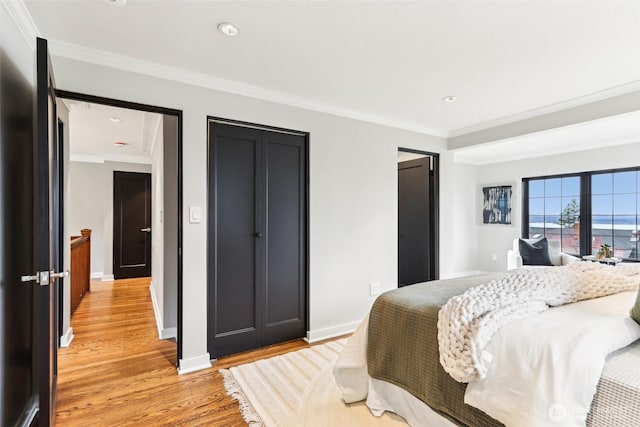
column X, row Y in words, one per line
column 496, row 204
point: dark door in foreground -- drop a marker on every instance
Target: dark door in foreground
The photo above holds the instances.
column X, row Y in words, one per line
column 131, row 225
column 28, row 246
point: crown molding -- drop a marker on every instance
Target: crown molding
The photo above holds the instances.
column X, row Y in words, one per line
column 18, row 12
column 552, row 108
column 107, row 59
column 101, row 158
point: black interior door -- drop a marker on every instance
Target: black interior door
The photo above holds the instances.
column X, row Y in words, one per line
column 47, row 223
column 414, row 219
column 131, row 224
column 257, row 238
column 18, row 319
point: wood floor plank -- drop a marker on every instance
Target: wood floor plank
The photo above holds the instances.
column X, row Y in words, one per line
column 118, row 373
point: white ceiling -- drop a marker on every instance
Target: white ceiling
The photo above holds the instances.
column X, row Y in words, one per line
column 390, row 62
column 610, row 131
column 92, row 133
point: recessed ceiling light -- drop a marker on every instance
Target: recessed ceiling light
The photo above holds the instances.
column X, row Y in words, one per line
column 115, row 119
column 228, row 29
column 120, row 143
column 449, row 98
column 118, row 3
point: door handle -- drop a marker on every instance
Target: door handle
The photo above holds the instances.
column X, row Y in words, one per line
column 258, row 235
column 44, row 278
column 59, row 275
column 146, row 230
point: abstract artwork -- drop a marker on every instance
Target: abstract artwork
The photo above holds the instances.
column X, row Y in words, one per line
column 496, row 204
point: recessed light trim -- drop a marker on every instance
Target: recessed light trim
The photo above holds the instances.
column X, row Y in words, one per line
column 449, row 98
column 115, row 119
column 228, row 29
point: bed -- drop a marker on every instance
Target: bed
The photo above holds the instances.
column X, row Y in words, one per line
column 579, row 373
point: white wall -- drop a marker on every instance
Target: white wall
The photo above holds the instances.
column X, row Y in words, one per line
column 85, row 208
column 67, row 331
column 458, row 230
column 157, row 228
column 353, row 195
column 170, row 225
column 90, row 205
column 497, row 239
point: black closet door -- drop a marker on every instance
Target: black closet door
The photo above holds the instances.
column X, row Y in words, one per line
column 257, row 232
column 285, row 202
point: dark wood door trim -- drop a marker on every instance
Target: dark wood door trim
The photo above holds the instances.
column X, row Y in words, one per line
column 160, row 110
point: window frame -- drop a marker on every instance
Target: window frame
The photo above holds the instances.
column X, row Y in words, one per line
column 585, row 204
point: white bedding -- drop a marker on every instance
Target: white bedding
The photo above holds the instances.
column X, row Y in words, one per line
column 537, row 378
column 506, row 397
column 467, row 322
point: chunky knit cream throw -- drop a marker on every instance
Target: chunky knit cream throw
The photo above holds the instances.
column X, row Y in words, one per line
column 467, row 322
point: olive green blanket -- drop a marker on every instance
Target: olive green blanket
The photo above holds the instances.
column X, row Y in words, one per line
column 402, row 346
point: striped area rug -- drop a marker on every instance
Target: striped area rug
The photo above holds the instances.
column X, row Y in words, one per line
column 298, row 389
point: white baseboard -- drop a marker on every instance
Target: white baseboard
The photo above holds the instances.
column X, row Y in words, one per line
column 163, row 333
column 108, row 278
column 156, row 310
column 193, row 364
column 167, row 333
column 332, row 332
column 65, row 340
column 96, row 275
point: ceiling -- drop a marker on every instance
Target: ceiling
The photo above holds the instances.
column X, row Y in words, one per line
column 389, row 62
column 607, row 132
column 93, row 133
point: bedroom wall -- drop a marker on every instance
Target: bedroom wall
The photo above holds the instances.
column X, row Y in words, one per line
column 353, row 196
column 496, row 239
column 91, row 206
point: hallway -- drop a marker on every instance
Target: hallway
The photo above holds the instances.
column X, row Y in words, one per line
column 117, row 372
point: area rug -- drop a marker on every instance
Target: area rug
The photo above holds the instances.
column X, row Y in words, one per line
column 298, row 389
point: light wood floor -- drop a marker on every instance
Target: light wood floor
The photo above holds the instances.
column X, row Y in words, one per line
column 116, row 372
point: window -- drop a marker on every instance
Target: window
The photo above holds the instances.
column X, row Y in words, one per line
column 554, row 210
column 584, row 211
column 615, row 206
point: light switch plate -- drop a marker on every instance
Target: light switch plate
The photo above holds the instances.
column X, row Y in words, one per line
column 195, row 215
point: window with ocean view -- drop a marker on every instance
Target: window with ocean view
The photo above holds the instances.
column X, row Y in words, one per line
column 554, row 211
column 615, row 209
column 585, row 211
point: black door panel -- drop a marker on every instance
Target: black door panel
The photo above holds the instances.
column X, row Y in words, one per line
column 131, row 224
column 285, row 297
column 257, row 238
column 18, row 396
column 413, row 221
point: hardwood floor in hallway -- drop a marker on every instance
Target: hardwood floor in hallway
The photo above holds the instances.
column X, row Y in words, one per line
column 117, row 372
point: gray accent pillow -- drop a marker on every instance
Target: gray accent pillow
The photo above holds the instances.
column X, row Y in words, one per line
column 635, row 310
column 536, row 253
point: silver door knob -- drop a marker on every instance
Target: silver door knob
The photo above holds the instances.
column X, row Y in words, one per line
column 59, row 275
column 146, row 230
